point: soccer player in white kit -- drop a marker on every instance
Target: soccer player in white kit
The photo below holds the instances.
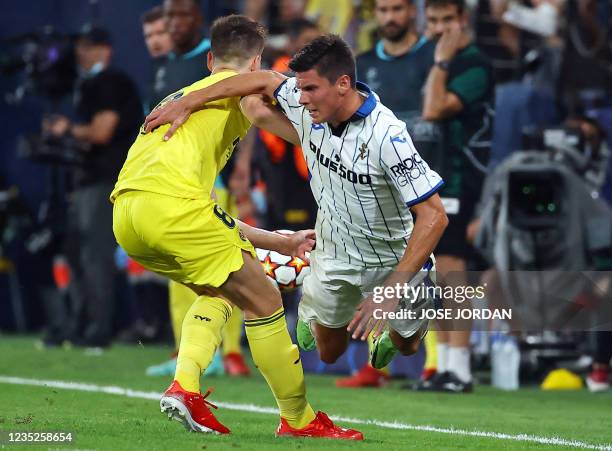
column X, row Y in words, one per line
column 367, row 178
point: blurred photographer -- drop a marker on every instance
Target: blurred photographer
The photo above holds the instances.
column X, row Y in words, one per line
column 109, row 113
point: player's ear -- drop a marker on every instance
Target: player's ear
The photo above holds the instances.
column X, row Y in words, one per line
column 343, row 84
column 256, row 63
column 210, row 61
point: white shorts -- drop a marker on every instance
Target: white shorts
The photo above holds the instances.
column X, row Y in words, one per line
column 334, row 289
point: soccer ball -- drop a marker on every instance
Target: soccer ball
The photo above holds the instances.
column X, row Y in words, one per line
column 285, row 272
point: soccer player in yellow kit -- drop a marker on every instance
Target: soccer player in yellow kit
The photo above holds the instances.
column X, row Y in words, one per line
column 165, row 219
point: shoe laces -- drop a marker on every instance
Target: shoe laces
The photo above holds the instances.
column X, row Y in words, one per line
column 205, row 395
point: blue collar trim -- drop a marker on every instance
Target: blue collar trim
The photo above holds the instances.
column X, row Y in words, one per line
column 380, row 49
column 369, row 103
column 202, row 47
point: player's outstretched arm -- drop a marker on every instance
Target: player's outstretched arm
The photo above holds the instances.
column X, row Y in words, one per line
column 295, row 245
column 179, row 110
column 431, row 220
column 264, row 115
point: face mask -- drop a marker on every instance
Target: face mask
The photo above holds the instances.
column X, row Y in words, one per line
column 95, row 70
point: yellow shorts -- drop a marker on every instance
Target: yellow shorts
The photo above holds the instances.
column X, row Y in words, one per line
column 226, row 201
column 189, row 241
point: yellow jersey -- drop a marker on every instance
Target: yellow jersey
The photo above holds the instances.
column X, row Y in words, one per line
column 187, row 164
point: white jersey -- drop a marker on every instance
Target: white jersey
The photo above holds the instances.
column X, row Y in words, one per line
column 364, row 180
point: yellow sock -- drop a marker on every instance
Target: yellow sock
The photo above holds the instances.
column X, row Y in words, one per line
column 278, row 359
column 200, row 337
column 386, row 370
column 181, row 299
column 232, row 332
column 431, row 352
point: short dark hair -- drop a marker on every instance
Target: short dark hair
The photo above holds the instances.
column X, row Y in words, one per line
column 329, row 55
column 460, row 4
column 236, row 37
column 152, row 15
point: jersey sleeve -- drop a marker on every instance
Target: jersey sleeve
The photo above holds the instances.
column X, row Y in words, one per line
column 410, row 174
column 471, row 85
column 288, row 95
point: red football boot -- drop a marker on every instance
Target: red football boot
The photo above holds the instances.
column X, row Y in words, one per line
column 191, row 409
column 367, row 376
column 599, row 379
column 321, row 426
column 235, row 365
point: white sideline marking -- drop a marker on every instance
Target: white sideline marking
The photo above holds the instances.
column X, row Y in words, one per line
column 113, row 390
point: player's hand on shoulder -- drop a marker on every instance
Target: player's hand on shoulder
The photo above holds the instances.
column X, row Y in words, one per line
column 299, row 243
column 175, row 112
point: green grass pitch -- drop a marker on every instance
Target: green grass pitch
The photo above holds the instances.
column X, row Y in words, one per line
column 116, row 422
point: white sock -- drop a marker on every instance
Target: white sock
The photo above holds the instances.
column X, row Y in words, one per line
column 459, row 363
column 442, row 350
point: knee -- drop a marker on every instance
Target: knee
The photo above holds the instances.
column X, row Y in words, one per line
column 330, row 355
column 408, row 346
column 411, row 348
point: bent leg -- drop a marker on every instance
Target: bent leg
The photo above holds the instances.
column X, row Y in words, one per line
column 276, row 357
column 331, row 342
column 409, row 345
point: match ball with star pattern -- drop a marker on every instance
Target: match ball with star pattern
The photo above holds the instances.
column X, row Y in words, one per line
column 285, row 272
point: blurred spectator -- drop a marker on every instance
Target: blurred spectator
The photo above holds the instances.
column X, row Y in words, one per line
column 275, row 15
column 109, row 113
column 300, row 33
column 457, row 94
column 155, row 32
column 523, row 26
column 186, row 63
column 586, row 70
column 159, row 44
column 331, row 17
column 396, row 69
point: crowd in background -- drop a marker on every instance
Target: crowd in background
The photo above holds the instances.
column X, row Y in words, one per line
column 471, row 81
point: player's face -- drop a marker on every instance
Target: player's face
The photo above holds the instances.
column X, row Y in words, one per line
column 183, row 20
column 394, row 18
column 157, row 38
column 442, row 19
column 320, row 97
